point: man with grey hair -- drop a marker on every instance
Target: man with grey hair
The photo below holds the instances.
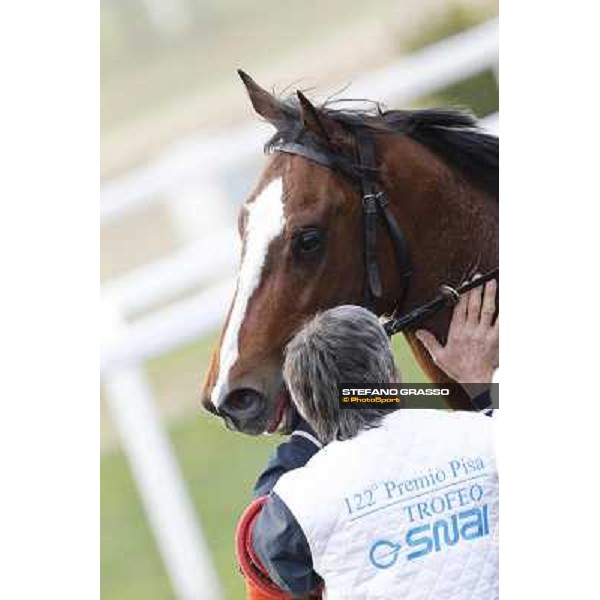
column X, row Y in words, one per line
column 372, row 502
column 344, row 344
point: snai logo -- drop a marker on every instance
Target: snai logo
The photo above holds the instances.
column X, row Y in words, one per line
column 433, row 537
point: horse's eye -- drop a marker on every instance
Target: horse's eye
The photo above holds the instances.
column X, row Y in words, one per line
column 307, row 241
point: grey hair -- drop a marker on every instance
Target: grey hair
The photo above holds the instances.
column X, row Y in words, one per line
column 345, row 344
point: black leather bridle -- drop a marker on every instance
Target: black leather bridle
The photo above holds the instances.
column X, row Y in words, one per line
column 375, row 206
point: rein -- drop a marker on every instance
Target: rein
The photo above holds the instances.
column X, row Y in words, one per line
column 375, row 206
column 447, row 297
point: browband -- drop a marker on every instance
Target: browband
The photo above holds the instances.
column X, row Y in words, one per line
column 295, row 148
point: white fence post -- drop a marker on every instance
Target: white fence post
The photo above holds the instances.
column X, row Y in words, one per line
column 158, row 478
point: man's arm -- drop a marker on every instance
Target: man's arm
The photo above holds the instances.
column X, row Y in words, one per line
column 283, row 550
column 273, row 553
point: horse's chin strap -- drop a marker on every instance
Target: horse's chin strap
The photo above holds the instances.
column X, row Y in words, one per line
column 375, row 203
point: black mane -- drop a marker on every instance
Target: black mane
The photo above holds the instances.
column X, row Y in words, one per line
column 453, row 135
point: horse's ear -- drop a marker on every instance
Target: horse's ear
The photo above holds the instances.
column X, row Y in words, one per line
column 312, row 120
column 265, row 104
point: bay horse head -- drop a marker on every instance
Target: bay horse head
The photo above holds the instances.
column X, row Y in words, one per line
column 304, row 244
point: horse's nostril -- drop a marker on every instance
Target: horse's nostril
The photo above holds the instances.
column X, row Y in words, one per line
column 242, row 405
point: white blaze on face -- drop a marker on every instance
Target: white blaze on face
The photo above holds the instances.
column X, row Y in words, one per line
column 265, row 222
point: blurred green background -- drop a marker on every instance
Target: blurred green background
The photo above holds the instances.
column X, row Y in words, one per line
column 160, row 85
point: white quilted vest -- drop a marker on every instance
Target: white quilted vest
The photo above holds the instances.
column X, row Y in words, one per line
column 406, row 511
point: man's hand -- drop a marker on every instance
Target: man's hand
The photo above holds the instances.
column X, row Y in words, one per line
column 470, row 355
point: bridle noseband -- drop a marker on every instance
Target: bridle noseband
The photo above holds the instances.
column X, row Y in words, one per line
column 375, row 206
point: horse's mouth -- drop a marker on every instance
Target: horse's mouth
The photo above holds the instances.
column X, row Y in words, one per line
column 284, row 415
column 282, row 403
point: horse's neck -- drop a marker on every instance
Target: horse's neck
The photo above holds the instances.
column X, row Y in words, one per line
column 451, row 227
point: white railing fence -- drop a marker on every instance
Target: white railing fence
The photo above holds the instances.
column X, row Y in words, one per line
column 196, row 164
